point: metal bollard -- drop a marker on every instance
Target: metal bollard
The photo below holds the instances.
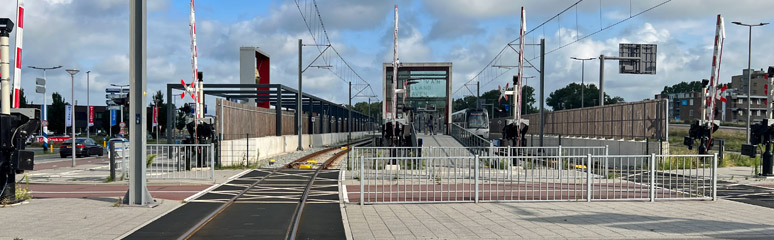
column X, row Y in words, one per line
column 112, row 150
column 588, row 178
column 476, row 178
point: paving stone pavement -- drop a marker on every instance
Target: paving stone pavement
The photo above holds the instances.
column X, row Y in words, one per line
column 561, row 220
column 74, row 218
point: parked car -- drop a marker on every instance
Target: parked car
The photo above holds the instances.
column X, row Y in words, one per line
column 84, row 147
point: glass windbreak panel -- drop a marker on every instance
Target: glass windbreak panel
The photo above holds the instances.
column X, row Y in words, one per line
column 477, row 120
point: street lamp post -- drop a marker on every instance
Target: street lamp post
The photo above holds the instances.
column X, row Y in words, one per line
column 44, row 107
column 583, row 74
column 749, row 73
column 73, row 145
column 88, row 107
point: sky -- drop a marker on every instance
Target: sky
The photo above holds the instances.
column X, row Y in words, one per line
column 93, row 35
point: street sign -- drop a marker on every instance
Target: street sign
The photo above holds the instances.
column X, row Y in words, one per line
column 122, row 132
column 40, row 81
column 645, row 65
column 114, row 107
column 116, row 90
column 122, row 124
column 312, row 119
column 40, row 89
column 44, row 123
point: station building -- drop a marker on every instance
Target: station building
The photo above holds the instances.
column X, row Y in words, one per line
column 429, row 93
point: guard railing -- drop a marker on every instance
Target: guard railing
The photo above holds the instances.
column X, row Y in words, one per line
column 535, row 178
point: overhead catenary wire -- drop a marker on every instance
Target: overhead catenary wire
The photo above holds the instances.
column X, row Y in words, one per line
column 578, row 38
column 339, row 66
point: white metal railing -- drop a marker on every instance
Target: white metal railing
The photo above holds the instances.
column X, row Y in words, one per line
column 535, row 178
column 177, row 162
column 468, row 138
column 422, row 152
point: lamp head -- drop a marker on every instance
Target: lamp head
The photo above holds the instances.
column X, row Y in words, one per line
column 72, row 71
column 6, row 26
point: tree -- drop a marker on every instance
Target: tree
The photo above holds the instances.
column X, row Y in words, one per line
column 22, row 99
column 683, row 87
column 569, row 97
column 56, row 115
column 158, row 101
column 375, row 108
column 492, row 97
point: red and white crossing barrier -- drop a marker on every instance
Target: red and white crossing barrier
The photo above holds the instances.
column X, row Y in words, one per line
column 519, row 81
column 194, row 62
column 712, row 92
column 18, row 59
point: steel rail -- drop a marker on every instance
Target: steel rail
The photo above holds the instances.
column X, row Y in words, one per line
column 188, row 234
column 291, row 234
column 194, row 229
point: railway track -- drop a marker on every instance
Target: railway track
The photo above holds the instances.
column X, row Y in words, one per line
column 297, row 201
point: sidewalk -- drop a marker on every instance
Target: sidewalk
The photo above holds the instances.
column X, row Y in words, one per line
column 743, row 175
column 75, row 218
column 561, row 220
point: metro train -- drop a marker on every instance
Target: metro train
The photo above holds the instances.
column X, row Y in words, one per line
column 473, row 120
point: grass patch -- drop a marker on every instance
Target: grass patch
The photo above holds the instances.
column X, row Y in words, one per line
column 733, row 138
column 150, row 159
column 729, row 159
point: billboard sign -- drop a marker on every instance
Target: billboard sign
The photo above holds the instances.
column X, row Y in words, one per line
column 156, row 116
column 112, row 117
column 68, row 115
column 91, row 116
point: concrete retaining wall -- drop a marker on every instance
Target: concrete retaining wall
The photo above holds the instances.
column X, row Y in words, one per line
column 615, row 147
column 233, row 152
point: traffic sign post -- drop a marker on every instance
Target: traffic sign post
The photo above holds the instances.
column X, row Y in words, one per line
column 633, row 59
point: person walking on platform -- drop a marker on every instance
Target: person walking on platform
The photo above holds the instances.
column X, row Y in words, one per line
column 430, row 125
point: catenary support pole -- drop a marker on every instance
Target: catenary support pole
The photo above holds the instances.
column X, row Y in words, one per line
column 299, row 98
column 601, row 80
column 349, row 117
column 542, row 87
column 138, row 192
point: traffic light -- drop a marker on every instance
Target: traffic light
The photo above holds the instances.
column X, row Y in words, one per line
column 702, row 132
column 14, row 130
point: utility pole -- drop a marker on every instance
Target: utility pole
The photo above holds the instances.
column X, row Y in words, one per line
column 478, row 94
column 749, row 73
column 138, row 192
column 44, row 107
column 73, row 145
column 299, row 98
column 349, row 117
column 88, row 107
column 542, row 87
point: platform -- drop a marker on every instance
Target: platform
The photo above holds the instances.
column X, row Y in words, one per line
column 439, row 141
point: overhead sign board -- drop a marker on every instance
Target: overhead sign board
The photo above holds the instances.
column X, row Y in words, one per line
column 647, row 54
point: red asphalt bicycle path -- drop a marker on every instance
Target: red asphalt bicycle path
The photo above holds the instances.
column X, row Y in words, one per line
column 169, row 192
column 69, row 163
